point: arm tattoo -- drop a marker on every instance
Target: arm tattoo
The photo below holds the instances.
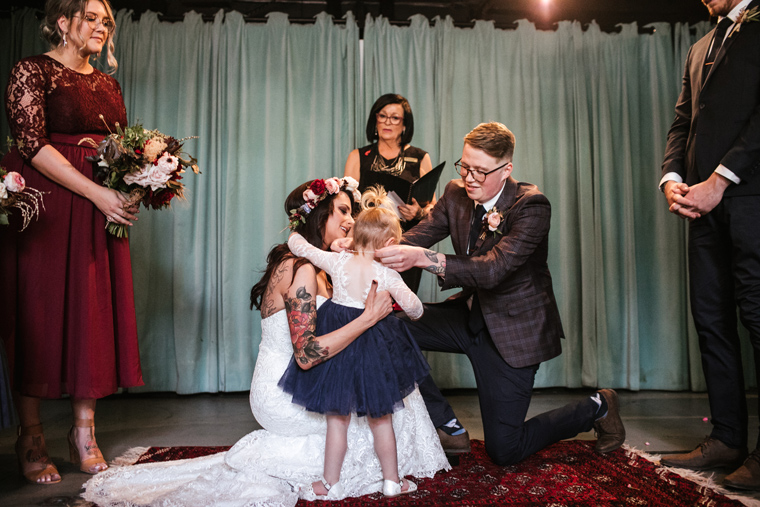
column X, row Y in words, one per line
column 302, row 320
column 437, row 267
column 268, row 306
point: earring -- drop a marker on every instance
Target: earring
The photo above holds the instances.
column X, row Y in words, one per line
column 403, row 131
column 375, row 131
column 65, row 42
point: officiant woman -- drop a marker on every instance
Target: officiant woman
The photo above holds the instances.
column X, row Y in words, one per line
column 65, row 283
column 390, row 128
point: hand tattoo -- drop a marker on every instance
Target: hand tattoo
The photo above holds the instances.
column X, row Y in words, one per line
column 302, row 320
column 438, row 267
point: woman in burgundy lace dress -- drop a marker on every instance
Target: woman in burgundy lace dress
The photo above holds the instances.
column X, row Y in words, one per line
column 64, row 282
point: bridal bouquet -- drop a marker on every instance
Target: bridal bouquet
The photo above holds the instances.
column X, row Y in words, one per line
column 15, row 194
column 146, row 164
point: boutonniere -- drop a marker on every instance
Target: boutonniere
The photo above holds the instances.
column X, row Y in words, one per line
column 491, row 222
column 745, row 16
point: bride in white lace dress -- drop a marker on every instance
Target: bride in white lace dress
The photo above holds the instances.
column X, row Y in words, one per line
column 270, row 467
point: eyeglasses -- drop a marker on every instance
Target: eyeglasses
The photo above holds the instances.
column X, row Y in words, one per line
column 384, row 118
column 92, row 20
column 478, row 176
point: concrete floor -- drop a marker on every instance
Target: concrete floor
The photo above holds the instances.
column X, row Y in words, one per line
column 656, row 422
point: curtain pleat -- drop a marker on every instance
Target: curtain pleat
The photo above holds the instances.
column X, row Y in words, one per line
column 275, row 104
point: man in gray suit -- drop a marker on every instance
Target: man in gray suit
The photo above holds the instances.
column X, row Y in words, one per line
column 506, row 318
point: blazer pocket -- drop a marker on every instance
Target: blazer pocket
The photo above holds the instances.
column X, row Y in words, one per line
column 522, row 305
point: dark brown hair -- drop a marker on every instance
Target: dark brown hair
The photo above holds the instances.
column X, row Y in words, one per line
column 408, row 121
column 313, row 230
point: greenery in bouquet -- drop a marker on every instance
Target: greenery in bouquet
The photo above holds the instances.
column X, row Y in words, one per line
column 15, row 194
column 145, row 164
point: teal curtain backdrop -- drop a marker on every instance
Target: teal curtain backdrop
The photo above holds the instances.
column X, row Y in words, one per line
column 276, row 104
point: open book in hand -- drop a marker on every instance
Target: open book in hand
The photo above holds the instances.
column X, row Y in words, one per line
column 422, row 190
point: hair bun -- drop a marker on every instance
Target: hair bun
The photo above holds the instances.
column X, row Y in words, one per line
column 376, row 197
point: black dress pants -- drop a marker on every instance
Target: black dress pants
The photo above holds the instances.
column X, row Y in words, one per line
column 504, row 392
column 724, row 272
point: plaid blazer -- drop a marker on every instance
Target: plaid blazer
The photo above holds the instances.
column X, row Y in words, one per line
column 508, row 270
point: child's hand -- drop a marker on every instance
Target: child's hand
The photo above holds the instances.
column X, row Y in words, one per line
column 342, row 244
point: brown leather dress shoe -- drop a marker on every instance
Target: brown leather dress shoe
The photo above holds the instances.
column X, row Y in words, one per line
column 609, row 429
column 456, row 444
column 712, row 453
column 747, row 476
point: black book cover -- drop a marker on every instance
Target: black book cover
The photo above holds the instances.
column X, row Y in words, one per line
column 423, row 189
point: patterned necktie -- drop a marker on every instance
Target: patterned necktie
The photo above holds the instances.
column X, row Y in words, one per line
column 475, row 227
column 720, row 34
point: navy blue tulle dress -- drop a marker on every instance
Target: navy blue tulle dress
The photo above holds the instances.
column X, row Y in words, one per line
column 373, row 374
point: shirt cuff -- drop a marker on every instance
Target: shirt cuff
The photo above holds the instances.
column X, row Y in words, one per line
column 728, row 174
column 670, row 177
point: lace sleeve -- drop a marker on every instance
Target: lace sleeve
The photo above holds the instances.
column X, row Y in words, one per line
column 404, row 296
column 320, row 258
column 26, row 107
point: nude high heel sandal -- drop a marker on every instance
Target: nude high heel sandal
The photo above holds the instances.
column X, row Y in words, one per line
column 33, row 460
column 93, row 457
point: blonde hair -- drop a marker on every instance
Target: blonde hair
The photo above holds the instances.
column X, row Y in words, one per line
column 54, row 9
column 377, row 222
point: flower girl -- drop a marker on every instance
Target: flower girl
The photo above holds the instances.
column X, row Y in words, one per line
column 373, row 375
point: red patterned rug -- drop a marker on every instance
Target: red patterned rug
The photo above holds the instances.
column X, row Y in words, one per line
column 566, row 474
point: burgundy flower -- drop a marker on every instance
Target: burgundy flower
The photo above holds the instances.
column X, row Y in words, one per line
column 317, row 186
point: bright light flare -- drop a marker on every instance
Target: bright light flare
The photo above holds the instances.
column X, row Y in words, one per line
column 546, row 3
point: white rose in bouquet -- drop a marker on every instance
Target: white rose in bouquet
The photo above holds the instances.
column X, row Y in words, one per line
column 140, row 177
column 3, row 191
column 14, row 182
column 167, row 164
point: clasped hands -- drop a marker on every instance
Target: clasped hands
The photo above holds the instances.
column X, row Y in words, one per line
column 691, row 202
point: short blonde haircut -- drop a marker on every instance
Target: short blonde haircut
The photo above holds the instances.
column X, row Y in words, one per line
column 377, row 222
column 494, row 138
column 54, row 9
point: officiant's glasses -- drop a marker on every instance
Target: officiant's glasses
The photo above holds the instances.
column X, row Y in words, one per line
column 478, row 176
column 384, row 118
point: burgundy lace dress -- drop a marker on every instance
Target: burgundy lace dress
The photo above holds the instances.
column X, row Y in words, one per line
column 66, row 294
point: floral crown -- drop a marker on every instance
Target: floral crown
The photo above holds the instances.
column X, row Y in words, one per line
column 317, row 192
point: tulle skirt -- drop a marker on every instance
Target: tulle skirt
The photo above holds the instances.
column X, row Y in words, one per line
column 370, row 377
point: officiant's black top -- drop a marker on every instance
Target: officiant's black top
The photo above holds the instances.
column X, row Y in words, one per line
column 405, row 166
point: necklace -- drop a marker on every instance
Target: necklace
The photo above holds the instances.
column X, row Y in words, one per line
column 395, row 166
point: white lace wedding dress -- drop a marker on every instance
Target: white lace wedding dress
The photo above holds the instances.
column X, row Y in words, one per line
column 268, row 467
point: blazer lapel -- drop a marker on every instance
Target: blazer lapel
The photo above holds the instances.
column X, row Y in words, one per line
column 464, row 218
column 730, row 38
column 733, row 33
column 505, row 202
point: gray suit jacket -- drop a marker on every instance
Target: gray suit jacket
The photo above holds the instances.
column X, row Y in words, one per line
column 508, row 270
